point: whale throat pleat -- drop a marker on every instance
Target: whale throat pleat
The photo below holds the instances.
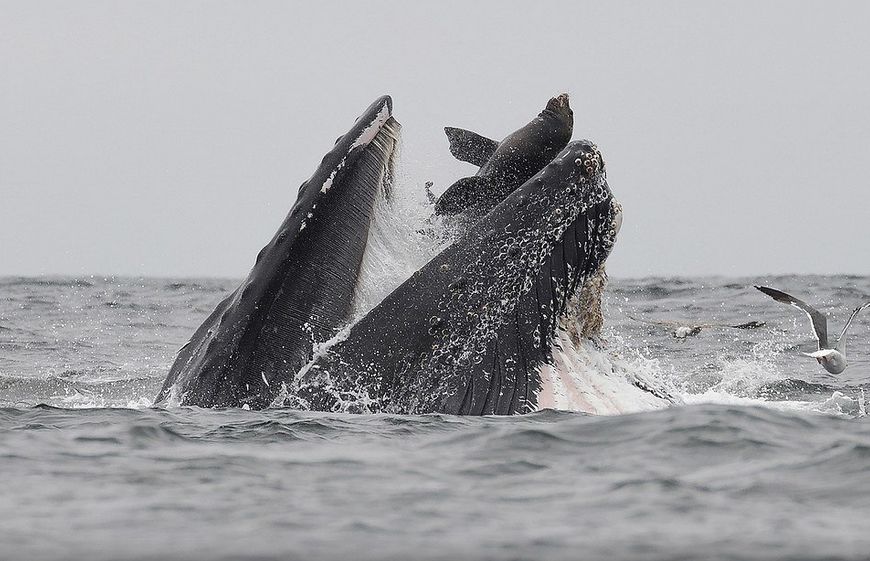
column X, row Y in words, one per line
column 524, row 343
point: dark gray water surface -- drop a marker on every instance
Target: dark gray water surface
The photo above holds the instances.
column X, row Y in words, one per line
column 768, row 459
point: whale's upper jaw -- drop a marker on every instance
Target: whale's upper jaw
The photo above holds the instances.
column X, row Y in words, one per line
column 467, row 333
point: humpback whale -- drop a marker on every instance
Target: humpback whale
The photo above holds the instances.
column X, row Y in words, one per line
column 469, row 332
column 504, row 165
column 300, row 291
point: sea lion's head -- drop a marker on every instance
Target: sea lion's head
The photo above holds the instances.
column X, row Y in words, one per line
column 560, row 107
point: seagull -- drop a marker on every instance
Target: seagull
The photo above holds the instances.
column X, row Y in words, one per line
column 683, row 330
column 832, row 358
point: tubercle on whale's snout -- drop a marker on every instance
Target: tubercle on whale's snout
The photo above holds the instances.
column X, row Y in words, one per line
column 573, row 180
column 587, row 157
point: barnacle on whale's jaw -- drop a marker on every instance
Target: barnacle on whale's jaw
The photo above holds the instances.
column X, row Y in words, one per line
column 589, row 159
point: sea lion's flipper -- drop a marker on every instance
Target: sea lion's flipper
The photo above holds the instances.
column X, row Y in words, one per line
column 469, row 146
column 467, row 192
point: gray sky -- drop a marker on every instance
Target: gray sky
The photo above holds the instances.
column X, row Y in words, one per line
column 169, row 138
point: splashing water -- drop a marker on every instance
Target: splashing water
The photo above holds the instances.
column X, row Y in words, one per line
column 108, row 342
column 761, row 367
column 402, row 238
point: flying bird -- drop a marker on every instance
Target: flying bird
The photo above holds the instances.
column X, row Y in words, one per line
column 681, row 330
column 832, row 358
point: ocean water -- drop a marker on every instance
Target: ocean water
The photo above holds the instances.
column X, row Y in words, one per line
column 765, row 456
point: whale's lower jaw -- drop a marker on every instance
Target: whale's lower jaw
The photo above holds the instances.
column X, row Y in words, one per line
column 301, row 289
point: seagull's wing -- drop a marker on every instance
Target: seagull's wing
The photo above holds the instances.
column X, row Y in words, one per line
column 821, row 353
column 841, row 342
column 820, row 323
column 747, row 325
